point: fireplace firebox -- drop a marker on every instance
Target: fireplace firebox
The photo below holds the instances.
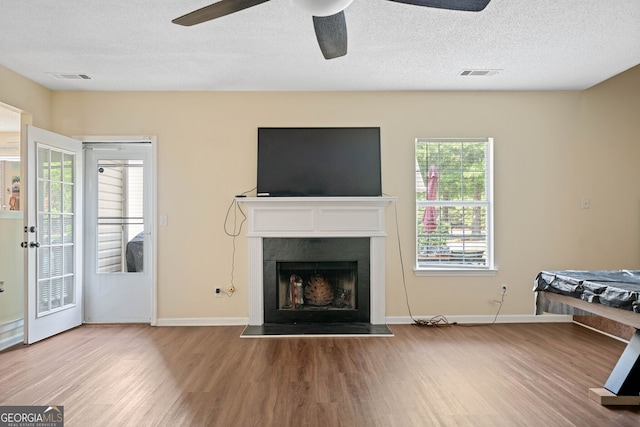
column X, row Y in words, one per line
column 316, row 280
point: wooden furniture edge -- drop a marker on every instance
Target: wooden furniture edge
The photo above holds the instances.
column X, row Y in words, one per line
column 619, row 315
column 622, row 386
column 606, row 398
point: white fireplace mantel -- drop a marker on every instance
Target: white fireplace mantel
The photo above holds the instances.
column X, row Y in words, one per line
column 316, row 217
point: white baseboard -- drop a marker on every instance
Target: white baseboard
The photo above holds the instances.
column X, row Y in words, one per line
column 203, row 321
column 11, row 333
column 514, row 318
column 392, row 320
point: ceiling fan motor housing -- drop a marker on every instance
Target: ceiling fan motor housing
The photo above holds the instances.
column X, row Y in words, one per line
column 322, row 7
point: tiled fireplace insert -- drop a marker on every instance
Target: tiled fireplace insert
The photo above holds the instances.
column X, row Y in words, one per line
column 316, row 280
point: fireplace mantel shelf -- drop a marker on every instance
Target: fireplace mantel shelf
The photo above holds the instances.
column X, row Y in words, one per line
column 316, row 217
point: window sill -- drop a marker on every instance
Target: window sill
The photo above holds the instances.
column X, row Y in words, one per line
column 10, row 214
column 455, row 271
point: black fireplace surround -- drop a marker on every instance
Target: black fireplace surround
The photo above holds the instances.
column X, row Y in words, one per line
column 342, row 263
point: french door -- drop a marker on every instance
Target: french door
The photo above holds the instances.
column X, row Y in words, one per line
column 52, row 234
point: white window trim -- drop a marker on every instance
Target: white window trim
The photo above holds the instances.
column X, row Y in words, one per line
column 490, row 269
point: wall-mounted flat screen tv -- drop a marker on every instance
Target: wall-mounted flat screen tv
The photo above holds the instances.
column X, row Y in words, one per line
column 319, row 162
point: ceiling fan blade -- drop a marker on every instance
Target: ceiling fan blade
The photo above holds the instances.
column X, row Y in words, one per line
column 466, row 5
column 215, row 10
column 331, row 32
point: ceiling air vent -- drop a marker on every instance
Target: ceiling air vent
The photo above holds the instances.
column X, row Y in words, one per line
column 482, row 73
column 69, row 76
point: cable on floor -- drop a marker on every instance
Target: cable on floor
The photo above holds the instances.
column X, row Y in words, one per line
column 438, row 320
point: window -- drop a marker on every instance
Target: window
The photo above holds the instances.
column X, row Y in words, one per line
column 10, row 184
column 454, row 204
column 120, row 216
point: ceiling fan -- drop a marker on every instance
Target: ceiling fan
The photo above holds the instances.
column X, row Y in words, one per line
column 328, row 16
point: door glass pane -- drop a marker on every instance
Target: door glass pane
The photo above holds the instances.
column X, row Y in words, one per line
column 56, row 261
column 43, row 196
column 120, row 216
column 55, row 198
column 43, row 163
column 55, row 230
column 56, row 166
column 67, row 264
column 43, row 296
column 43, row 262
column 67, row 229
column 56, row 293
column 69, row 290
column 44, row 231
column 67, row 198
column 68, row 167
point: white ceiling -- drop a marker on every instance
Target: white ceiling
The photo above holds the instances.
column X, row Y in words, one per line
column 126, row 45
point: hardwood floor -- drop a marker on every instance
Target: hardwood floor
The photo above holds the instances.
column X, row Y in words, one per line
column 500, row 375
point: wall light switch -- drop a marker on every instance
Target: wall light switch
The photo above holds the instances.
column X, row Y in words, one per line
column 164, row 220
column 585, row 203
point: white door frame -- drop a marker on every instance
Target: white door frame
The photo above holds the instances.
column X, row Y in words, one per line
column 153, row 226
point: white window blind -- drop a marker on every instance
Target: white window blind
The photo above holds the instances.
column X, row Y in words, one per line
column 454, row 203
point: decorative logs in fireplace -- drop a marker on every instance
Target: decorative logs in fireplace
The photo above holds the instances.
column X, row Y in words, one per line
column 318, row 292
column 296, row 294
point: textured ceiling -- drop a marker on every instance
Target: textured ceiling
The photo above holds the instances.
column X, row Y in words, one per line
column 126, row 45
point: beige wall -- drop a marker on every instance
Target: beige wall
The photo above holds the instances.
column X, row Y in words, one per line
column 551, row 149
column 21, row 93
column 11, row 262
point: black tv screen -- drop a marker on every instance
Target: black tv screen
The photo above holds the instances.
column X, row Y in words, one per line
column 319, row 162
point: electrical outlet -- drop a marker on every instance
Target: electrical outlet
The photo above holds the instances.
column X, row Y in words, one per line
column 218, row 293
column 586, row 204
column 503, row 289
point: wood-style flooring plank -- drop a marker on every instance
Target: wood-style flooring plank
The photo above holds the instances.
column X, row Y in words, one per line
column 500, row 375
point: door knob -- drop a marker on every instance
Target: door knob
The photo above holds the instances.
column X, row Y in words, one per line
column 34, row 244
